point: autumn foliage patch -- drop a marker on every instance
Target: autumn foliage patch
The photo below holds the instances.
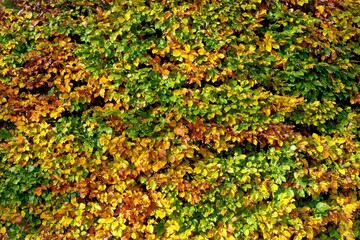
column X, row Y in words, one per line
column 233, row 119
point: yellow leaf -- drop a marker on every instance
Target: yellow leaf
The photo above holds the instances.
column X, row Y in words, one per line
column 184, row 21
column 102, row 92
column 175, row 26
column 191, row 57
column 287, row 234
column 107, row 220
column 316, row 137
column 268, row 42
column 320, row 9
column 114, row 225
column 309, row 232
column 17, row 158
column 177, row 53
column 128, row 16
column 3, row 230
column 150, row 228
column 266, row 111
column 202, row 51
column 197, row 170
column 43, row 215
column 274, row 187
column 120, row 20
column 251, row 49
column 66, row 220
column 128, row 67
column 268, row 47
column 67, row 88
column 320, row 148
column 103, row 80
column 160, row 213
column 350, row 208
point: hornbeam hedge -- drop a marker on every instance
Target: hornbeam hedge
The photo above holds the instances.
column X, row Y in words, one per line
column 231, row 119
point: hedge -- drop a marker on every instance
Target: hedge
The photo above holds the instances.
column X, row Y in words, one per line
column 232, row 119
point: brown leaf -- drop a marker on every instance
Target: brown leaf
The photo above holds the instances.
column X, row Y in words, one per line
column 181, row 130
column 35, row 22
column 39, row 190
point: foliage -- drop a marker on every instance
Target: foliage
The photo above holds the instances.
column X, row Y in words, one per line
column 179, row 119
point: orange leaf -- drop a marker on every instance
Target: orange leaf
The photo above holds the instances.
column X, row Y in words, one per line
column 181, row 130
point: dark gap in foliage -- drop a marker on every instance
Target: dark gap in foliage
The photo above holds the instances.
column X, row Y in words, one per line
column 138, row 183
column 313, row 200
column 141, row 65
column 86, row 12
column 150, row 53
column 182, row 200
column 150, row 31
column 259, row 33
column 189, row 177
column 192, row 85
column 51, row 38
column 7, row 124
column 98, row 101
column 148, row 3
column 69, row 114
column 303, row 129
column 308, row 8
column 268, row 87
column 76, row 38
column 76, row 84
column 42, row 90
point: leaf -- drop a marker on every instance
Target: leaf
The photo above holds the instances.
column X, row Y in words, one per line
column 5, row 134
column 268, row 46
column 39, row 190
column 322, row 207
column 335, row 234
column 181, row 130
column 320, row 148
column 152, row 185
column 202, row 51
column 177, row 53
column 268, row 42
column 107, row 220
column 320, row 8
column 160, row 213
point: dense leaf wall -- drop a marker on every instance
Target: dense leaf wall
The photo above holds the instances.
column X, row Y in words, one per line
column 179, row 119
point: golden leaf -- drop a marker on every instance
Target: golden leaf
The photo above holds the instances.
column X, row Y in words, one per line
column 202, row 51
column 107, row 220
column 177, row 53
column 320, row 148
column 320, row 9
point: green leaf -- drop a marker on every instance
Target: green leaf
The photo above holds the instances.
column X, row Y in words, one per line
column 5, row 134
column 322, row 207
